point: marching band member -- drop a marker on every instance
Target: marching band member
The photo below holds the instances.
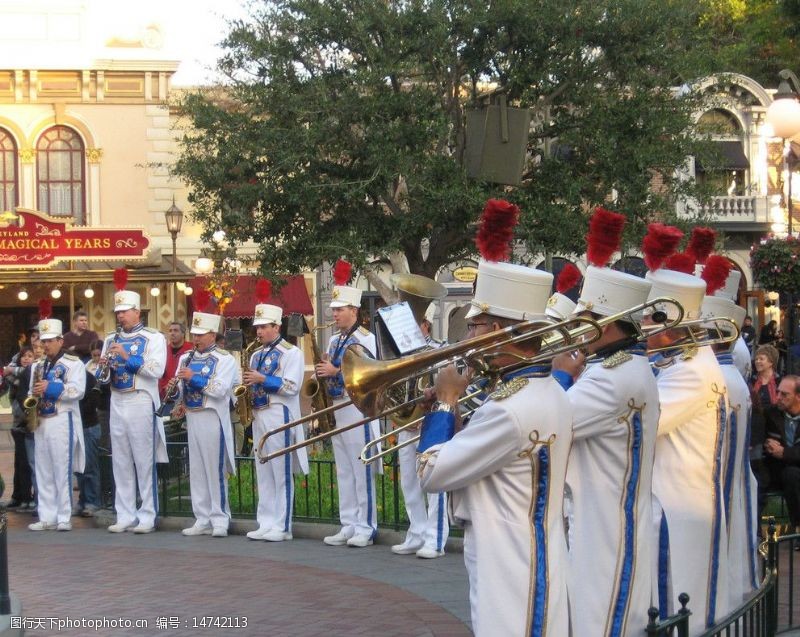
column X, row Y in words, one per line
column 688, row 470
column 739, row 485
column 59, row 382
column 742, row 359
column 356, row 481
column 615, row 420
column 505, row 470
column 136, row 356
column 208, row 375
column 428, row 527
column 275, row 377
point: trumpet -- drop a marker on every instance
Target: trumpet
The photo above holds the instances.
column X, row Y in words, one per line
column 662, row 323
column 367, row 380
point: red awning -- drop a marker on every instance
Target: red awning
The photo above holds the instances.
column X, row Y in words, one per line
column 292, row 297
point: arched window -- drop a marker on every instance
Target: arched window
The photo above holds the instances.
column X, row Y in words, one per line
column 61, row 174
column 8, row 171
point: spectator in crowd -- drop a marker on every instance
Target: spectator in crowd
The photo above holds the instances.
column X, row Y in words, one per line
column 765, row 381
column 749, row 332
column 79, row 339
column 783, row 348
column 780, row 467
column 24, row 382
column 176, row 345
column 768, row 333
column 103, row 397
column 89, row 480
column 22, row 495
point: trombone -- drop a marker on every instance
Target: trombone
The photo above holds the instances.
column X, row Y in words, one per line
column 662, row 324
column 367, row 380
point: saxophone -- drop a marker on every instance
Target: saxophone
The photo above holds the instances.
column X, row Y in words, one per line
column 314, row 389
column 31, row 402
column 244, row 393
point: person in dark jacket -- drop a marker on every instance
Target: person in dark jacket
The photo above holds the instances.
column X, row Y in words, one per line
column 780, row 466
column 89, row 480
column 22, row 495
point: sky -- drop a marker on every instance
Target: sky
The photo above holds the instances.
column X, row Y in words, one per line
column 194, row 39
column 77, row 33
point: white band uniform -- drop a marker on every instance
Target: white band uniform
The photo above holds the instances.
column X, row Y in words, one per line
column 276, row 478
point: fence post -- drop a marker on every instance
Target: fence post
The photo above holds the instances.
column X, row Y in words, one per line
column 771, row 567
column 652, row 625
column 683, row 625
column 5, row 599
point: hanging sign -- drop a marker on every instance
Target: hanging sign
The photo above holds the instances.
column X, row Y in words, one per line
column 30, row 239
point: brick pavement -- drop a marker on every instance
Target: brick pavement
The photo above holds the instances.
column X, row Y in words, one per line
column 298, row 588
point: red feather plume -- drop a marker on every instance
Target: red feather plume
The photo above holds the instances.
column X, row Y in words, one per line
column 660, row 242
column 605, row 235
column 45, row 308
column 201, row 299
column 263, row 290
column 342, row 272
column 715, row 273
column 701, row 243
column 568, row 278
column 120, row 278
column 681, row 262
column 496, row 230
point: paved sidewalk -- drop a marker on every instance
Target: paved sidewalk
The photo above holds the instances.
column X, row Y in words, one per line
column 197, row 586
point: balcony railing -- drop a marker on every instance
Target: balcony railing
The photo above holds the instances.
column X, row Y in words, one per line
column 744, row 209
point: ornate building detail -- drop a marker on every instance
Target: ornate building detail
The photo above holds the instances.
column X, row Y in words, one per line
column 27, row 155
column 94, row 155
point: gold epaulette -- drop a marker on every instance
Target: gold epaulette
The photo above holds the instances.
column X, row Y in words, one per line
column 363, row 331
column 508, row 389
column 616, row 359
column 286, row 344
column 149, row 329
column 71, row 357
column 689, row 353
column 224, row 352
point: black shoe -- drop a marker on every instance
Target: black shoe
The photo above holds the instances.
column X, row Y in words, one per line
column 12, row 504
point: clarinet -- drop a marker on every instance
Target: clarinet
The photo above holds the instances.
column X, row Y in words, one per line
column 172, row 393
column 103, row 372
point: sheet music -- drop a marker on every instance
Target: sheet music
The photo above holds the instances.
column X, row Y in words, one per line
column 402, row 327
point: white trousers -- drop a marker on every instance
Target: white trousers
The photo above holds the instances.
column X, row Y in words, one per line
column 356, row 481
column 427, row 525
column 133, row 440
column 53, row 453
column 208, row 479
column 275, row 478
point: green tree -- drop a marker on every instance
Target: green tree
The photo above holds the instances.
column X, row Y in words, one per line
column 341, row 129
column 757, row 38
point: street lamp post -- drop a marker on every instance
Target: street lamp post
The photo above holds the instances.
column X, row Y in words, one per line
column 174, row 219
column 784, row 117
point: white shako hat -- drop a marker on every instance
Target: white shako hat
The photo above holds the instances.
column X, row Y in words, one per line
column 203, row 323
column 511, row 291
column 686, row 289
column 559, row 306
column 266, row 314
column 126, row 300
column 430, row 312
column 49, row 328
column 731, row 288
column 720, row 307
column 344, row 295
column 607, row 292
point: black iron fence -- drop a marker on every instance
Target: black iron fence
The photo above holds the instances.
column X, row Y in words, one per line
column 315, row 500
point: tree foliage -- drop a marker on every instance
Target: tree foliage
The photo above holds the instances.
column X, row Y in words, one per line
column 757, row 38
column 341, row 129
